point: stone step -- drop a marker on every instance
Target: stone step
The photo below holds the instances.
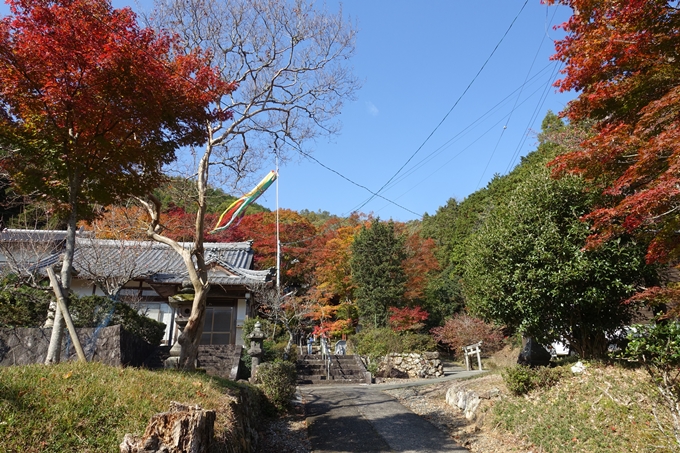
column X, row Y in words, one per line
column 332, row 373
column 318, row 358
column 322, row 380
column 345, row 369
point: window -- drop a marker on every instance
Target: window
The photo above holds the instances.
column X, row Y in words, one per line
column 217, row 328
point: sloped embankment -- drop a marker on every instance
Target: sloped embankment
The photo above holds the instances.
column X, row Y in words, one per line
column 90, row 407
column 605, row 409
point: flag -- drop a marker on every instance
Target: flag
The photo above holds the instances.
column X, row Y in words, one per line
column 238, row 207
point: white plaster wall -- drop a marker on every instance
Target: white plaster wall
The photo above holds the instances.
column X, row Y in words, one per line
column 240, row 319
column 84, row 288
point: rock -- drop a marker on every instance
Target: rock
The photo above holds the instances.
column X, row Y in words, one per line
column 489, row 394
column 392, row 373
column 578, row 368
column 467, row 400
column 533, row 354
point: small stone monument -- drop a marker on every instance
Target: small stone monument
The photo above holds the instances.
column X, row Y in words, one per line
column 533, row 354
column 255, row 351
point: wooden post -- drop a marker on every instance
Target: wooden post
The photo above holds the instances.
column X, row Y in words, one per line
column 61, row 305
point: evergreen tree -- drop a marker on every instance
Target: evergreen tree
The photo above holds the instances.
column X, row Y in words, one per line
column 376, row 263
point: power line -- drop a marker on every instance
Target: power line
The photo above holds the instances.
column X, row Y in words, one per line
column 498, row 142
column 466, row 129
column 450, row 110
column 534, row 115
column 544, row 97
column 446, row 146
column 313, row 158
column 355, row 183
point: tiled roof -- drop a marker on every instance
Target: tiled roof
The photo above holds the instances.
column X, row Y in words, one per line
column 95, row 259
column 158, row 263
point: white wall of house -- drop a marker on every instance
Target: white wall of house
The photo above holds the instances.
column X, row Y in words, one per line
column 241, row 310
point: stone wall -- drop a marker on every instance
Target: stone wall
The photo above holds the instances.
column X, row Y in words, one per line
column 111, row 345
column 413, row 365
column 220, row 360
column 468, row 400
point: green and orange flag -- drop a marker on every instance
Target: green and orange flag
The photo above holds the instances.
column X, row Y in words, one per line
column 238, row 207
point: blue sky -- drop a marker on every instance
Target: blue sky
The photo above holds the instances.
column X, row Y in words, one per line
column 416, row 61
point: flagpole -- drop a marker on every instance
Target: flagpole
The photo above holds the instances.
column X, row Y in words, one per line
column 278, row 240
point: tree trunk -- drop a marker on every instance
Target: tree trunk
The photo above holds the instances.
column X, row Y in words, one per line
column 182, row 429
column 289, row 345
column 190, row 338
column 54, row 349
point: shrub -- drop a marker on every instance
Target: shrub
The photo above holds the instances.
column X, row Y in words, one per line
column 277, row 381
column 521, row 379
column 266, row 326
column 94, row 311
column 23, row 306
column 463, row 330
column 657, row 347
column 271, row 352
column 379, row 342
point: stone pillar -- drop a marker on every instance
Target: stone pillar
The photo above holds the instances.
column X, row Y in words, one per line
column 255, row 351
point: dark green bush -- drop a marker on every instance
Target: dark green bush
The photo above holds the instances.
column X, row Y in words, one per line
column 23, row 306
column 94, row 311
column 521, row 379
column 267, row 327
column 277, row 381
column 382, row 341
column 271, row 353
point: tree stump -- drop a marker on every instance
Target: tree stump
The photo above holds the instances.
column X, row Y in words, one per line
column 183, row 429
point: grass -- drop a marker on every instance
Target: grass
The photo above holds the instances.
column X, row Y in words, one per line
column 90, row 407
column 607, row 409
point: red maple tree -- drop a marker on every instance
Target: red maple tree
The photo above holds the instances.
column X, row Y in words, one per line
column 622, row 57
column 295, row 232
column 407, row 318
column 93, row 106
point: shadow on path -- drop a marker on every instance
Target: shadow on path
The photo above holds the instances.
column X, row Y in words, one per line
column 352, row 419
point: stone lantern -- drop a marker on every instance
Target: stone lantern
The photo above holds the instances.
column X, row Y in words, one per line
column 182, row 303
column 255, row 351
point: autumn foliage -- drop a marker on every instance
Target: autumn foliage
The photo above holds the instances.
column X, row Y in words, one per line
column 94, row 104
column 463, row 330
column 622, row 58
column 407, row 318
